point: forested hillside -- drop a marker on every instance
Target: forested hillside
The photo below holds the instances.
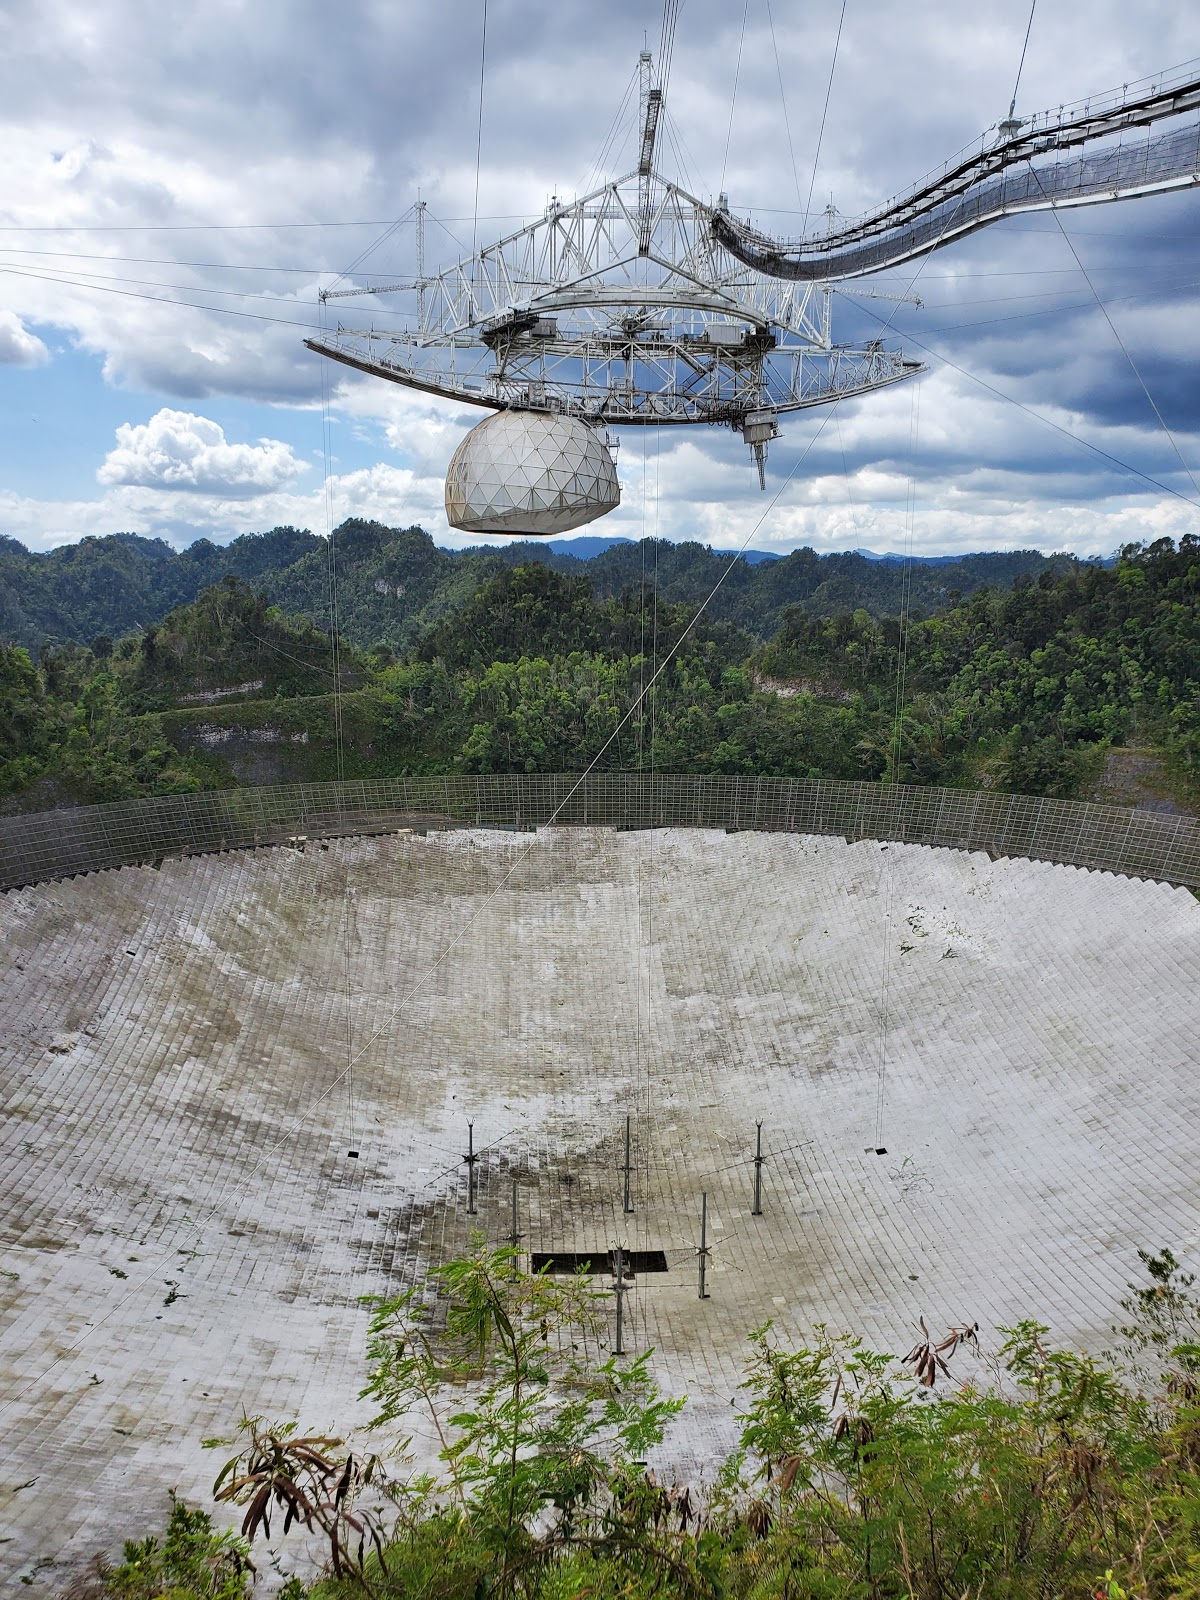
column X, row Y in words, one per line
column 392, row 583
column 1043, row 677
column 1023, row 689
column 123, row 581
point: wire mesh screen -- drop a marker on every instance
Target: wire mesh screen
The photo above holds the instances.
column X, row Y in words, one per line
column 58, row 844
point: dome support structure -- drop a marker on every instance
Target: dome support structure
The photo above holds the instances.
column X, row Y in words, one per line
column 619, row 309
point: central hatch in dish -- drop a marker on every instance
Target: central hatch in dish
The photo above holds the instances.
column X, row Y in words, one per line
column 569, row 1261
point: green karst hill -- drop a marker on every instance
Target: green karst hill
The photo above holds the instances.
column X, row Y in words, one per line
column 1065, row 683
column 393, row 583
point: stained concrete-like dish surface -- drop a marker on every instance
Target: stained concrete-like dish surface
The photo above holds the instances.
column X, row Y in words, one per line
column 188, row 1055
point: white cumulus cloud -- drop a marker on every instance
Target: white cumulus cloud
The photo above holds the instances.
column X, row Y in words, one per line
column 178, row 450
column 19, row 347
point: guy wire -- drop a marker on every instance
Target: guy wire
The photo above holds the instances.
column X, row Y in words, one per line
column 737, row 72
column 479, row 130
column 336, row 653
column 787, row 122
column 896, row 745
column 1112, row 328
column 652, row 706
column 824, row 113
column 640, row 1066
column 1021, row 64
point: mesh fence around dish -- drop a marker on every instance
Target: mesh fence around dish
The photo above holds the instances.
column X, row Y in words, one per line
column 39, row 846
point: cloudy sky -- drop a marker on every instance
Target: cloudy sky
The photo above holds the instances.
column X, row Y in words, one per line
column 180, row 180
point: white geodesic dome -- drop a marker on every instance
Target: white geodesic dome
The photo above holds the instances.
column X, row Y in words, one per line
column 530, row 472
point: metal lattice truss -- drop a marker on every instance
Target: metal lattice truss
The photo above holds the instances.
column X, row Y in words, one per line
column 622, row 307
column 1022, row 165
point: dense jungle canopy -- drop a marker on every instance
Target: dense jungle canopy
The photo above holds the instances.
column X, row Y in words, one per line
column 1018, row 671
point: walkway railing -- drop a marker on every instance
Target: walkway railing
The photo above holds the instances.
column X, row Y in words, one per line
column 46, row 845
column 999, row 179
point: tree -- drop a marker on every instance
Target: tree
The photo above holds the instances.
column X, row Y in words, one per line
column 540, row 1454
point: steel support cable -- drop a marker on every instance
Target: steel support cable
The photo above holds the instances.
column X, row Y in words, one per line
column 897, row 745
column 1049, row 311
column 162, row 261
column 1156, row 292
column 336, row 654
column 82, row 279
column 824, row 114
column 906, row 580
column 159, row 299
column 373, row 246
column 640, row 1076
column 651, row 835
column 1048, row 422
column 746, row 1226
column 459, row 244
column 289, row 655
column 1112, row 327
column 737, row 72
column 897, row 735
column 897, row 739
column 666, row 48
column 232, row 227
column 859, row 525
column 640, row 1067
column 896, row 742
column 191, row 227
column 748, row 1161
column 596, row 171
column 479, row 128
column 685, row 162
column 1021, row 63
column 787, row 121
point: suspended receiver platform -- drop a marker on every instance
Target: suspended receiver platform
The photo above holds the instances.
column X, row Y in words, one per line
column 621, row 308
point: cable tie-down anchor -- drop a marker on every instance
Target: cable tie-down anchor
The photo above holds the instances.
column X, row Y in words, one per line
column 758, row 429
column 619, row 1287
column 703, row 1253
column 514, row 1233
column 470, row 1159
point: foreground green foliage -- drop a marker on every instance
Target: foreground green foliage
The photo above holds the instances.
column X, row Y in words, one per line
column 1020, row 1471
column 192, row 1562
column 1025, row 690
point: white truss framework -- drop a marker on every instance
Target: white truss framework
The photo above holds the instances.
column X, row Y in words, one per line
column 622, row 307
